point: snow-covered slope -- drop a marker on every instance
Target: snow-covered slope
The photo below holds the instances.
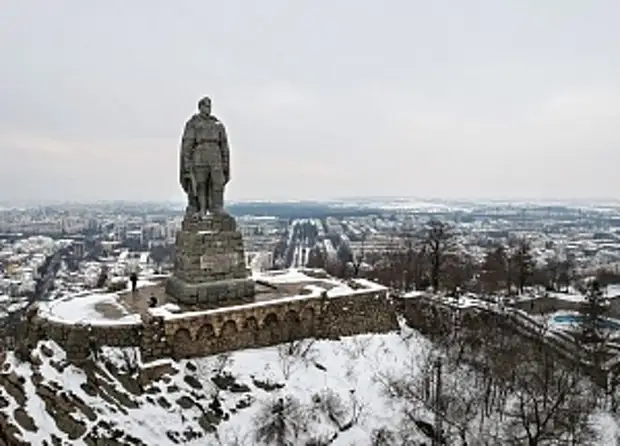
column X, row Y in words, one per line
column 327, row 392
column 73, row 404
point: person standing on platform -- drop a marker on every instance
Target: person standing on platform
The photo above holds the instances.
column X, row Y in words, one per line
column 133, row 278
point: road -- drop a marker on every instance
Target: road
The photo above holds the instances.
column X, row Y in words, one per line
column 303, row 235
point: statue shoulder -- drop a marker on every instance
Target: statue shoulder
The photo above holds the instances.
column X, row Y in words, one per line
column 191, row 122
column 216, row 121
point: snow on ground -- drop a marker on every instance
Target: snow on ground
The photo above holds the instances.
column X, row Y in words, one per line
column 351, row 366
column 607, row 427
column 314, row 291
column 292, row 275
column 304, row 275
column 347, row 367
column 414, row 294
column 83, row 310
column 314, row 288
column 570, row 297
column 83, row 307
column 613, row 290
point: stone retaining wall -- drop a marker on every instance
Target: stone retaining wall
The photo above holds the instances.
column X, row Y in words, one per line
column 279, row 321
column 432, row 317
column 232, row 328
column 125, row 335
column 363, row 313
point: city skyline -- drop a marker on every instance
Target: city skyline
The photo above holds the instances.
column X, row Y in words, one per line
column 492, row 101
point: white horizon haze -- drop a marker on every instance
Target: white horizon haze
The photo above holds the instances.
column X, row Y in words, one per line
column 484, row 99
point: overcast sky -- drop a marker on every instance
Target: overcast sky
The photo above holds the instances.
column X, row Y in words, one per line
column 321, row 98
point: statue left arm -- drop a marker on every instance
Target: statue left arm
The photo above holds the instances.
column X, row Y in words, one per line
column 188, row 142
column 225, row 153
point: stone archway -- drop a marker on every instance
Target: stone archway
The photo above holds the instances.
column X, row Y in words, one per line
column 307, row 321
column 182, row 345
column 291, row 326
column 250, row 324
column 248, row 336
column 271, row 320
column 228, row 335
column 206, row 332
column 468, row 320
column 205, row 338
column 271, row 332
column 229, row 328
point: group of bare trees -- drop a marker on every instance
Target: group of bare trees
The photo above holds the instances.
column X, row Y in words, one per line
column 487, row 386
column 433, row 259
column 478, row 384
column 508, row 267
column 286, row 421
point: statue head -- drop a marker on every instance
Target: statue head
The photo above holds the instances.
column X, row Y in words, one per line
column 204, row 106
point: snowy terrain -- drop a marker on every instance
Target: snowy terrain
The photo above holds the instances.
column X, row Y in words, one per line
column 343, row 376
column 81, row 307
column 347, row 368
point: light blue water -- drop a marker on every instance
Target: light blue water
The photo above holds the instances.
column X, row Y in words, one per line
column 576, row 319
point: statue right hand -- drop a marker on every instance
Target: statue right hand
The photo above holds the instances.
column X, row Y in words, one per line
column 186, row 181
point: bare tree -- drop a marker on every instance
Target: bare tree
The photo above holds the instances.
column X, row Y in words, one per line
column 384, row 437
column 221, row 362
column 280, row 422
column 399, row 267
column 458, row 271
column 103, row 277
column 495, row 270
column 566, row 272
column 130, row 361
column 418, row 394
column 549, row 274
column 439, row 241
column 341, row 413
column 497, row 388
column 357, row 258
column 523, row 263
column 316, row 258
column 161, row 253
column 607, row 276
column 594, row 333
column 293, row 351
column 414, row 262
column 552, row 405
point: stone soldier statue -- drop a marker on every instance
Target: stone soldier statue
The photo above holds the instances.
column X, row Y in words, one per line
column 205, row 161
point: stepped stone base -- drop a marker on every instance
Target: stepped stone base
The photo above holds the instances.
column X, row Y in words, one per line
column 209, row 265
column 221, row 292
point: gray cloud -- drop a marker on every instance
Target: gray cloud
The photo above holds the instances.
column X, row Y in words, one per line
column 321, row 99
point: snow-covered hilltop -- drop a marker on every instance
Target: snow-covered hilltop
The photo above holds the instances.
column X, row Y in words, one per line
column 359, row 390
column 329, row 388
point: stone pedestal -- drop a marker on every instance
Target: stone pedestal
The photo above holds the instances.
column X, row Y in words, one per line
column 209, row 267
